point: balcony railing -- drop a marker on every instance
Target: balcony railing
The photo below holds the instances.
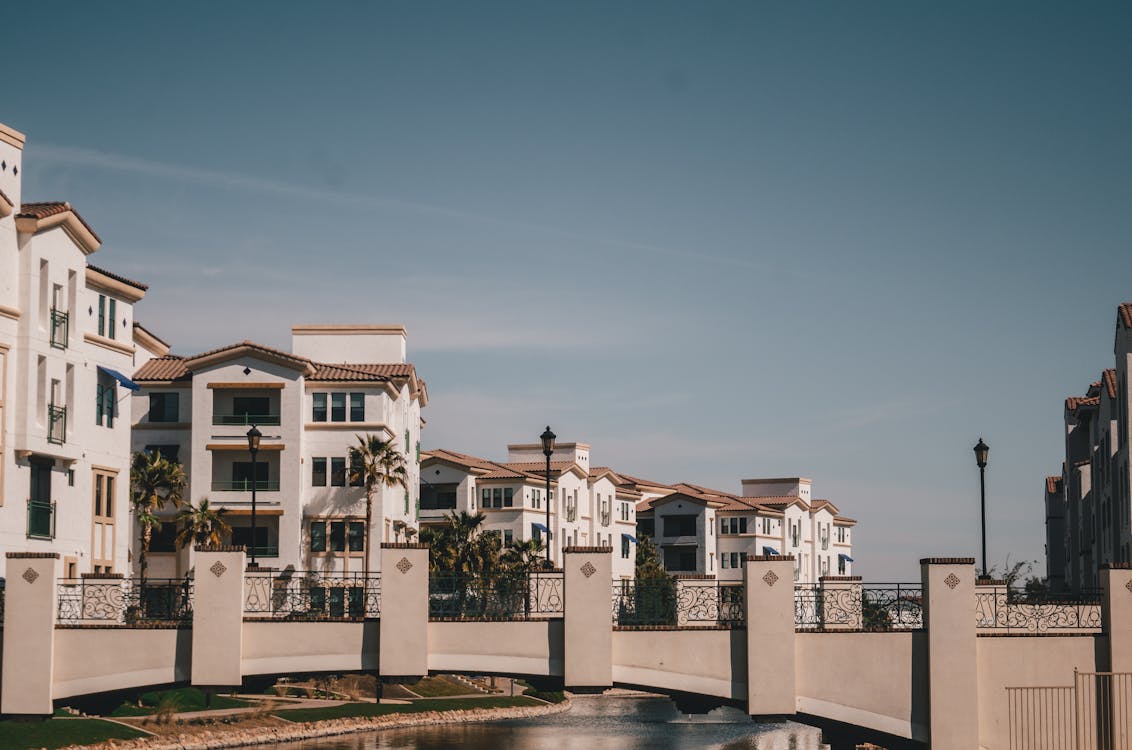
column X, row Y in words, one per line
column 245, row 485
column 510, row 596
column 605, row 517
column 56, row 424
column 125, row 601
column 825, row 542
column 1037, row 612
column 244, row 420
column 873, row 607
column 265, row 550
column 60, row 328
column 674, row 602
column 41, row 519
column 312, row 595
column 571, row 512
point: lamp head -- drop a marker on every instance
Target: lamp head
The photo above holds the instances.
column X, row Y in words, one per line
column 253, row 439
column 547, row 438
column 981, row 451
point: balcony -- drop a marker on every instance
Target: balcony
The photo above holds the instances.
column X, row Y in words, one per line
column 41, row 520
column 60, row 328
column 825, row 542
column 56, row 424
column 605, row 517
column 571, row 512
column 245, row 485
column 244, row 420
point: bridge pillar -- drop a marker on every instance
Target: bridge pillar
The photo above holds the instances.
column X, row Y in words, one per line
column 769, row 583
column 953, row 679
column 588, row 617
column 218, row 616
column 30, row 606
column 403, row 639
column 1116, row 610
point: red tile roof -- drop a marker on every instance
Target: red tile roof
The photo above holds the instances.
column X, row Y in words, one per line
column 1053, row 485
column 116, row 277
column 50, row 208
column 1125, row 311
column 1110, row 382
column 1073, row 403
column 490, row 469
column 170, row 367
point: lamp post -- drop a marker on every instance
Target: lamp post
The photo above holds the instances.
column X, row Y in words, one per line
column 981, row 451
column 547, row 438
column 253, row 447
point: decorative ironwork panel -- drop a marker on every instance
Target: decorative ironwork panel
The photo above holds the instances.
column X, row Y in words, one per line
column 670, row 602
column 311, row 595
column 876, row 607
column 1000, row 608
column 125, row 601
column 504, row 597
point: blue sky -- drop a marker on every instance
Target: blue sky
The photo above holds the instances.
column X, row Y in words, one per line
column 715, row 241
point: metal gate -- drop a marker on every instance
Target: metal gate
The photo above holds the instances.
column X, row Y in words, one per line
column 1095, row 713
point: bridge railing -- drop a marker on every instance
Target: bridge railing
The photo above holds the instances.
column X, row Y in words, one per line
column 1003, row 609
column 678, row 602
column 508, row 596
column 115, row 600
column 312, row 595
column 875, row 607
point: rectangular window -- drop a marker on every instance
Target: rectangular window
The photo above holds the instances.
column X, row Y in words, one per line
column 242, row 537
column 242, row 475
column 406, row 502
column 624, row 547
column 508, row 537
column 507, row 497
column 102, row 315
column 318, row 410
column 683, row 525
column 318, row 472
column 357, row 536
column 163, row 407
column 337, row 407
column 497, row 497
column 357, row 471
column 418, row 451
column 406, row 441
column 110, row 322
column 337, row 472
column 318, row 536
column 105, row 400
column 485, row 498
column 251, row 408
column 337, row 536
column 723, row 561
column 357, row 407
column 735, row 559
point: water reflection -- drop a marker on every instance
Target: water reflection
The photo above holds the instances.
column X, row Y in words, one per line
column 594, row 723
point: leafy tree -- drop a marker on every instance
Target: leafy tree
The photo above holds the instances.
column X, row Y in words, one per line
column 376, row 463
column 653, row 599
column 202, row 524
column 520, row 559
column 154, row 481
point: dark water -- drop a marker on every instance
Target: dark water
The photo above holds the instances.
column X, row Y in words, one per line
column 593, row 723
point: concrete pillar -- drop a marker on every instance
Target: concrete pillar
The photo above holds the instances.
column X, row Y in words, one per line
column 30, row 606
column 403, row 639
column 842, row 606
column 769, row 582
column 1116, row 613
column 218, row 616
column 953, row 679
column 588, row 617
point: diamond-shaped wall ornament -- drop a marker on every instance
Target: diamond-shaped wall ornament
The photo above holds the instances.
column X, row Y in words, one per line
column 770, row 578
column 952, row 581
column 404, row 565
column 588, row 569
column 1128, row 586
column 30, row 575
column 218, row 569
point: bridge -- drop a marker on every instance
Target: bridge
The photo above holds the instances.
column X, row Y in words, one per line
column 945, row 661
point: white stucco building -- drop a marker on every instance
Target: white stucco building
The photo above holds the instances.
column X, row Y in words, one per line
column 66, row 349
column 310, row 403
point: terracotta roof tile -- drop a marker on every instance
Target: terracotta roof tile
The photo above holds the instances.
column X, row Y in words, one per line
column 116, row 277
column 169, row 367
column 1053, row 485
column 252, row 345
column 1073, row 403
column 368, row 371
column 50, row 208
column 1125, row 311
column 1109, row 378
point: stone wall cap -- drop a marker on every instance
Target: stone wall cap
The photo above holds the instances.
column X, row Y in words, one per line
column 31, row 555
column 404, row 545
column 838, row 578
column 603, row 550
column 947, row 561
column 1116, row 566
column 108, row 576
column 260, row 569
column 694, row 577
column 989, row 582
column 770, row 558
column 220, row 548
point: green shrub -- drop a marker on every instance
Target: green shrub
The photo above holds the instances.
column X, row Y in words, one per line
column 550, row 696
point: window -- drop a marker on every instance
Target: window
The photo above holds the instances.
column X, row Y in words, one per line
column 357, row 407
column 102, row 315
column 111, row 320
column 508, row 495
column 733, row 525
column 356, row 536
column 406, row 502
column 497, row 497
column 105, row 400
column 318, row 409
column 624, row 547
column 337, row 472
column 735, row 559
column 508, row 537
column 337, row 536
column 418, row 451
column 337, row 407
column 251, row 408
column 646, row 526
column 102, row 524
column 485, row 498
column 41, row 510
column 318, row 536
column 406, row 441
column 683, row 525
column 536, row 498
column 242, row 476
column 163, row 540
column 163, row 407
column 168, row 452
column 840, row 565
column 242, row 537
column 724, row 560
column 357, row 471
column 318, row 472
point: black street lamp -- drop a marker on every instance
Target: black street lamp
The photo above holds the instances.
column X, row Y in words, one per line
column 981, row 451
column 547, row 439
column 253, row 447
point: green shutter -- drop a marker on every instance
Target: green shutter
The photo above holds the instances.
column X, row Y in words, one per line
column 102, row 315
column 113, row 315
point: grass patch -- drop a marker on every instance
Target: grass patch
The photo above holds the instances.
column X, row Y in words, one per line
column 550, row 696
column 439, row 687
column 62, row 732
column 373, row 709
column 179, row 699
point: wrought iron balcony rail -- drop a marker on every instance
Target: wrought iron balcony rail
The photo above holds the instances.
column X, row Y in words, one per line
column 677, row 603
column 571, row 513
column 508, row 596
column 60, row 328
column 243, row 420
column 877, row 607
column 1037, row 612
column 606, row 517
column 56, row 424
column 245, row 485
column 124, row 601
column 41, row 520
column 312, row 595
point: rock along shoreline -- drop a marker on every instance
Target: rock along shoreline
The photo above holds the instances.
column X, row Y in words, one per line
column 215, row 737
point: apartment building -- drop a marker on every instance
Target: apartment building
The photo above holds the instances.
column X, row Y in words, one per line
column 67, row 343
column 696, row 529
column 310, row 403
column 1088, row 507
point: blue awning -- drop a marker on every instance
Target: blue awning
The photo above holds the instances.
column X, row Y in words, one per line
column 845, row 557
column 540, row 527
column 630, row 537
column 770, row 551
column 126, row 382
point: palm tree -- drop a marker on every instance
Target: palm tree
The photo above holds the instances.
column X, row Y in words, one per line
column 154, row 481
column 376, row 463
column 202, row 524
column 522, row 558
